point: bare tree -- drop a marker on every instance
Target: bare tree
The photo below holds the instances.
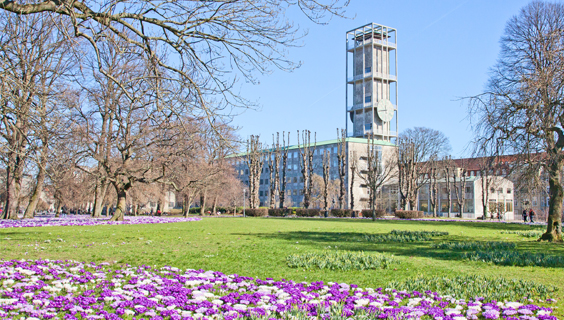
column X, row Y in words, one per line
column 254, row 164
column 433, row 170
column 283, row 181
column 520, row 112
column 33, row 61
column 449, row 170
column 342, row 165
column 354, row 166
column 306, row 164
column 460, row 187
column 415, row 147
column 377, row 171
column 196, row 43
column 274, row 169
column 326, row 178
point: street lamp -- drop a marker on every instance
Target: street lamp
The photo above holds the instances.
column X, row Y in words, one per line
column 244, row 192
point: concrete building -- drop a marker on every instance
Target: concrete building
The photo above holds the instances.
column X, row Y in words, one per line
column 499, row 198
column 354, row 147
column 372, row 89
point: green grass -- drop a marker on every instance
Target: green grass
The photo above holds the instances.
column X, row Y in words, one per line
column 258, row 247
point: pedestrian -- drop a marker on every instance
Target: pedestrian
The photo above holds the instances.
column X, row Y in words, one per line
column 532, row 215
column 524, row 215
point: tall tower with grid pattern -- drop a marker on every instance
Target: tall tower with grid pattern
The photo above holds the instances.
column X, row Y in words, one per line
column 372, row 82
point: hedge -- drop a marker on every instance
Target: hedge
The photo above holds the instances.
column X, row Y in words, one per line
column 259, row 212
column 409, row 214
column 367, row 213
column 308, row 212
column 278, row 212
column 341, row 213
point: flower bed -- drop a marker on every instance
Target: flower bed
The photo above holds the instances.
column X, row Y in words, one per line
column 50, row 220
column 72, row 290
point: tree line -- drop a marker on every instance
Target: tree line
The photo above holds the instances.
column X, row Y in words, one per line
column 103, row 100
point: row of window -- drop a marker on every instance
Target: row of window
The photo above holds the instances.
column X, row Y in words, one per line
column 294, row 192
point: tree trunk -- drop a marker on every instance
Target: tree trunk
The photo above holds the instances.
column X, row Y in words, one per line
column 99, row 195
column 58, row 210
column 214, row 205
column 119, row 213
column 185, row 206
column 10, row 209
column 34, row 200
column 554, row 224
column 202, row 202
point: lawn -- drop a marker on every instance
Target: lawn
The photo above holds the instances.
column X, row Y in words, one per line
column 258, row 247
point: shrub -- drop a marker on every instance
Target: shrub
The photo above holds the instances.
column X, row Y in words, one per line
column 340, row 260
column 367, row 213
column 475, row 245
column 404, row 236
column 423, row 233
column 341, row 213
column 409, row 214
column 527, row 234
column 307, row 212
column 259, row 212
column 470, row 287
column 277, row 212
column 514, row 258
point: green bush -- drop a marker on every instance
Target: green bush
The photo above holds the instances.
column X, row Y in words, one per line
column 404, row 236
column 341, row 213
column 277, row 212
column 259, row 212
column 367, row 213
column 470, row 287
column 409, row 214
column 514, row 258
column 526, row 234
column 308, row 212
column 423, row 233
column 475, row 245
column 340, row 260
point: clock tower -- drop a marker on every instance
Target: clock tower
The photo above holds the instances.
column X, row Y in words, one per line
column 372, row 90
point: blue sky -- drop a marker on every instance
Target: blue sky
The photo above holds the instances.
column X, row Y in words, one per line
column 445, row 51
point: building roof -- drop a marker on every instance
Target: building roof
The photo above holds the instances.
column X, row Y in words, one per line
column 327, row 142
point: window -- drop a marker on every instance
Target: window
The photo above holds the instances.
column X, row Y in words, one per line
column 295, row 167
column 295, row 179
column 492, row 190
column 260, row 193
column 492, row 205
column 508, row 205
column 468, row 206
column 368, row 99
column 444, row 206
column 266, row 181
column 423, row 206
column 468, row 190
column 246, row 171
column 261, row 182
column 508, row 190
column 367, row 69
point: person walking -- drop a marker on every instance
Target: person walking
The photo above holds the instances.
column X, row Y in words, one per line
column 524, row 215
column 532, row 215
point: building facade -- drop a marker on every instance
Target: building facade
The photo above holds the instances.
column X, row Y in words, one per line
column 499, row 198
column 354, row 148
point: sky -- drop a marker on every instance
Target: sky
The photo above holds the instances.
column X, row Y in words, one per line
column 446, row 49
